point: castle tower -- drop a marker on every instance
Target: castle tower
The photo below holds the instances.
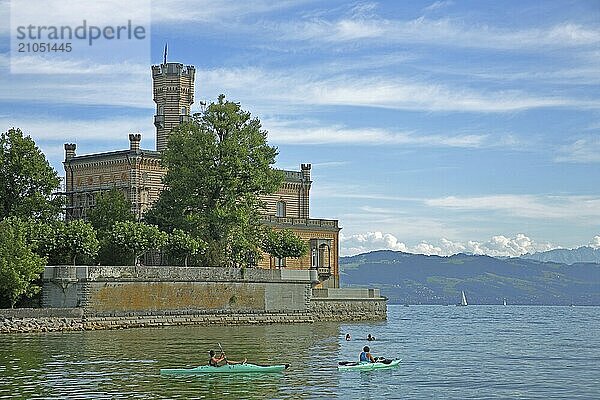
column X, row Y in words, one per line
column 173, row 91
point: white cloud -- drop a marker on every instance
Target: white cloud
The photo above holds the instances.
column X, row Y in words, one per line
column 304, row 132
column 274, row 91
column 595, row 243
column 584, row 208
column 438, row 5
column 443, row 31
column 108, row 129
column 91, row 136
column 585, row 150
column 361, row 243
column 4, row 17
column 496, row 246
column 131, row 87
column 208, row 11
column 308, row 87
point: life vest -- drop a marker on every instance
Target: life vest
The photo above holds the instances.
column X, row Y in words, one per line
column 363, row 357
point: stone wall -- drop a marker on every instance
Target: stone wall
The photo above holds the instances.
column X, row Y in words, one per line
column 344, row 304
column 348, row 309
column 144, row 290
column 36, row 320
column 92, row 298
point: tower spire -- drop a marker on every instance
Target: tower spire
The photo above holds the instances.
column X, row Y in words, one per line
column 165, row 53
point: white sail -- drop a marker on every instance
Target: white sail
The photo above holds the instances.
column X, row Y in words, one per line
column 463, row 301
column 504, row 301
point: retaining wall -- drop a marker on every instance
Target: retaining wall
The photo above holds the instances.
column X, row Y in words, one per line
column 348, row 304
column 143, row 290
column 91, row 298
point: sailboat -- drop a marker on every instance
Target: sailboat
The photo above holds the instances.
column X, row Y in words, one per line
column 463, row 300
column 504, row 302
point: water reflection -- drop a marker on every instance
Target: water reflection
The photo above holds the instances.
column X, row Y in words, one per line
column 127, row 362
column 447, row 352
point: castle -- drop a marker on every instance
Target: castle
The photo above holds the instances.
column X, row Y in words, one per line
column 138, row 174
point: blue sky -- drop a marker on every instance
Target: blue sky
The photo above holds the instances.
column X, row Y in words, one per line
column 433, row 127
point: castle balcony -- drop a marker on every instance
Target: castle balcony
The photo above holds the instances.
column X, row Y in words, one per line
column 159, row 121
column 184, row 118
column 310, row 223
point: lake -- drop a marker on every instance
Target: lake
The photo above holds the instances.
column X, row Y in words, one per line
column 447, row 352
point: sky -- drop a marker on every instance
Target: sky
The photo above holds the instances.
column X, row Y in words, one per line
column 433, row 127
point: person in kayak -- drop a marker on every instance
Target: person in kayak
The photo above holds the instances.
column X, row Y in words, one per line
column 366, row 356
column 370, row 338
column 348, row 337
column 214, row 361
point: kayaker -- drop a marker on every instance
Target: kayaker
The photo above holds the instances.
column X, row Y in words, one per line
column 214, row 361
column 370, row 338
column 348, row 337
column 366, row 356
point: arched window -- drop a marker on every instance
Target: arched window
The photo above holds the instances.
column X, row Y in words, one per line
column 183, row 111
column 161, row 110
column 280, row 209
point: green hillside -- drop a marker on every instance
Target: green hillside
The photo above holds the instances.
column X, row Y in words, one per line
column 419, row 279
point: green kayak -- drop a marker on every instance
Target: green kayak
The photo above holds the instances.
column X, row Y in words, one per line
column 366, row 366
column 225, row 369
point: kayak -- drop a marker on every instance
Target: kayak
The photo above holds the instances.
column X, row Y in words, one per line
column 367, row 366
column 225, row 369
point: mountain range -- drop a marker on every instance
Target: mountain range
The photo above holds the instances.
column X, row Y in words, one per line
column 583, row 254
column 419, row 279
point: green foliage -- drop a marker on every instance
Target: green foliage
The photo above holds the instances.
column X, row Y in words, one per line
column 27, row 181
column 41, row 237
column 111, row 206
column 74, row 239
column 218, row 166
column 182, row 245
column 284, row 243
column 137, row 238
column 19, row 265
column 62, row 242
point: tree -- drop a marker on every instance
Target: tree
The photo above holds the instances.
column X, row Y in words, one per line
column 182, row 245
column 41, row 237
column 218, row 166
column 284, row 243
column 137, row 238
column 74, row 239
column 27, row 181
column 111, row 206
column 19, row 265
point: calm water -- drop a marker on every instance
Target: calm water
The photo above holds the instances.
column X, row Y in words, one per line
column 448, row 352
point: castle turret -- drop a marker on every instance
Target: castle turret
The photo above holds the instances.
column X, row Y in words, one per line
column 173, row 87
column 305, row 196
column 70, row 151
column 134, row 141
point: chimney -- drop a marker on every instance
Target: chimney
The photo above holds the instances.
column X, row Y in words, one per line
column 305, row 168
column 70, row 151
column 134, row 141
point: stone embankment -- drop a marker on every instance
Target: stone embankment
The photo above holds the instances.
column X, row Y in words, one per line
column 27, row 322
column 79, row 298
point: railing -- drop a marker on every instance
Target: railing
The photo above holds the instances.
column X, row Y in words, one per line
column 324, row 271
column 292, row 175
column 159, row 120
column 184, row 118
column 316, row 222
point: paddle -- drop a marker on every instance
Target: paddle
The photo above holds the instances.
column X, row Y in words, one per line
column 222, row 351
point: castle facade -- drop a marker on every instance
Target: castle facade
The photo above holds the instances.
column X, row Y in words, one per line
column 138, row 174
